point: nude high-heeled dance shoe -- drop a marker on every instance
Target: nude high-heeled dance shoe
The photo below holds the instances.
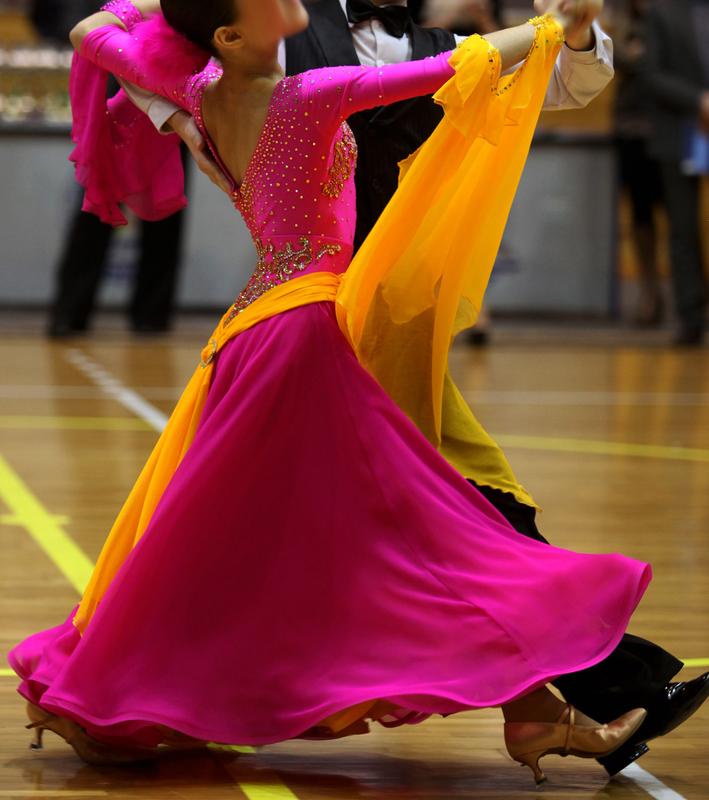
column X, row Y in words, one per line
column 528, row 742
column 89, row 750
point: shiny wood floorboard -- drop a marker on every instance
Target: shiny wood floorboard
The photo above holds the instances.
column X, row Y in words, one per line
column 77, row 451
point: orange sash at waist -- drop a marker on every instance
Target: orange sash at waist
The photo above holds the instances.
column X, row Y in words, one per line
column 175, row 440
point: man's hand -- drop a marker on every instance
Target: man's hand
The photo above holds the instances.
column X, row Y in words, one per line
column 186, row 128
column 147, row 7
column 576, row 17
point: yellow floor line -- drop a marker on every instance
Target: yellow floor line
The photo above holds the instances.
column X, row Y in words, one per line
column 68, row 793
column 696, row 662
column 564, row 445
column 548, row 443
column 231, row 748
column 72, row 562
column 269, row 788
column 29, row 512
column 44, row 423
column 267, row 791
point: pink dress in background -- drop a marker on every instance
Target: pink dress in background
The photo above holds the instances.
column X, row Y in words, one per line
column 314, row 551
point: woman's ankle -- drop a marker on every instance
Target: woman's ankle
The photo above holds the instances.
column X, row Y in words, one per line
column 538, row 706
column 543, row 706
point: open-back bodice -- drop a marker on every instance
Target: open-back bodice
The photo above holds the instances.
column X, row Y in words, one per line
column 298, row 195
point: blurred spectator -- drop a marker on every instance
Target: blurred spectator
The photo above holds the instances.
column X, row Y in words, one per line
column 82, row 262
column 677, row 74
column 462, row 16
column 53, row 19
column 639, row 172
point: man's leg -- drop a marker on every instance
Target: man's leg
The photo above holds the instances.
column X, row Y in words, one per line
column 155, row 286
column 632, row 674
column 153, row 302
column 79, row 274
column 636, row 674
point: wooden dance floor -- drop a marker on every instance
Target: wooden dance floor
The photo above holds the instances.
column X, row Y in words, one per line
column 610, row 432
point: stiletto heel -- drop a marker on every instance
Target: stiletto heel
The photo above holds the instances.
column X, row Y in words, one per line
column 528, row 742
column 38, row 728
column 89, row 750
column 531, row 760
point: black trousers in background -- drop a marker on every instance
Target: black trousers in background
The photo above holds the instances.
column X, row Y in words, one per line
column 82, row 265
column 688, row 280
column 640, row 174
column 630, row 677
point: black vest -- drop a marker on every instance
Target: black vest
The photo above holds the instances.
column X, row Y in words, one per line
column 385, row 135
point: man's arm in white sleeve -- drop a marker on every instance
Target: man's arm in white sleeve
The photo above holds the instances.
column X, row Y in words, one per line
column 579, row 76
column 155, row 107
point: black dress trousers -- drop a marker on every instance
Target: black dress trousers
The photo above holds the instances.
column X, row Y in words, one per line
column 630, row 677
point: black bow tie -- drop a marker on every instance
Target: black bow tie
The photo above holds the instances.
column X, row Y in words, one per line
column 395, row 19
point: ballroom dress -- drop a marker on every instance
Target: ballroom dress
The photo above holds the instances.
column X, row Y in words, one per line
column 313, row 561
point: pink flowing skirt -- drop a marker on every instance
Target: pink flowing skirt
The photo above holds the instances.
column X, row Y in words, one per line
column 314, row 552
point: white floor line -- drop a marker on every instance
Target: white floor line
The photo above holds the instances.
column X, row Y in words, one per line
column 132, row 401
column 650, row 784
column 128, row 398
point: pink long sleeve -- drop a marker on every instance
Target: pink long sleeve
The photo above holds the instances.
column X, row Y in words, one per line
column 337, row 93
column 120, row 158
column 151, row 55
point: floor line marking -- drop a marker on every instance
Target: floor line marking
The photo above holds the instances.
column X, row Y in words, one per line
column 25, row 507
column 127, row 397
column 268, row 786
column 44, row 423
column 267, row 791
column 81, row 392
column 474, row 396
column 650, row 784
column 514, row 397
column 596, row 447
column 142, row 423
column 696, row 662
column 69, row 793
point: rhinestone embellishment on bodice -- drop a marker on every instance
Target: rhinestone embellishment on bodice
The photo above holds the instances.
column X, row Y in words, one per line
column 343, row 163
column 278, row 265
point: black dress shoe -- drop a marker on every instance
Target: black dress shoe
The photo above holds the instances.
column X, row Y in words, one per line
column 689, row 336
column 478, row 337
column 675, row 704
column 59, row 329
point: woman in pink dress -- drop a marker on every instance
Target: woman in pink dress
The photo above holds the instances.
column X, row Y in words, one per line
column 313, row 563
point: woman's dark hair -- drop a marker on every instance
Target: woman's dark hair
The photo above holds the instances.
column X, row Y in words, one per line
column 198, row 21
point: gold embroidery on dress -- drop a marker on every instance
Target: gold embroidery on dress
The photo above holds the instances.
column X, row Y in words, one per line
column 281, row 266
column 541, row 24
column 342, row 164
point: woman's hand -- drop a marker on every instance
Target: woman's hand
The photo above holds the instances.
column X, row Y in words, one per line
column 102, row 18
column 186, row 128
column 575, row 17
